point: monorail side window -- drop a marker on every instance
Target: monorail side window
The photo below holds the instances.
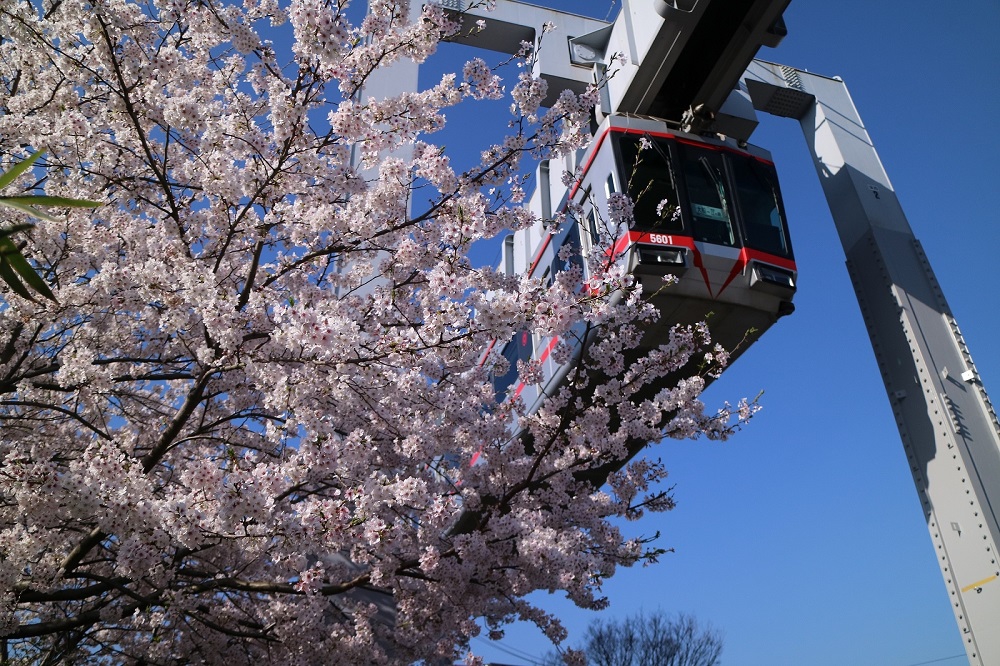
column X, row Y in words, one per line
column 570, row 238
column 708, row 197
column 592, row 236
column 650, row 183
column 760, row 205
column 520, row 348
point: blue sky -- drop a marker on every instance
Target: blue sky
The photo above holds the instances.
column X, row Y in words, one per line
column 802, row 539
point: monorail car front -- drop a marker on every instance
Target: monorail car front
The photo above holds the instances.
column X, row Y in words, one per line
column 707, row 211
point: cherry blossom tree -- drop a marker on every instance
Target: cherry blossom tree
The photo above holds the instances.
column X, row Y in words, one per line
column 242, row 429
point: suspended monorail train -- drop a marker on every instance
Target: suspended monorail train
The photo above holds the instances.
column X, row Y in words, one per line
column 707, row 211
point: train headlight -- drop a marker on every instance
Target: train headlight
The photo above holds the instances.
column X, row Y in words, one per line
column 661, row 256
column 765, row 276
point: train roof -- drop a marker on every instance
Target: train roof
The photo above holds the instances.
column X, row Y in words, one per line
column 638, row 123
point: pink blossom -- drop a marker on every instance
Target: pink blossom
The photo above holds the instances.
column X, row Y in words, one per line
column 245, row 427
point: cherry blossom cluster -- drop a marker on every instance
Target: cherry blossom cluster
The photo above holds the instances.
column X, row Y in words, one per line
column 258, row 424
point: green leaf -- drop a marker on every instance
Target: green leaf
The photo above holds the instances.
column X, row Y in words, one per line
column 15, row 270
column 34, row 212
column 19, row 168
column 16, row 261
column 10, row 231
column 45, row 200
column 8, row 275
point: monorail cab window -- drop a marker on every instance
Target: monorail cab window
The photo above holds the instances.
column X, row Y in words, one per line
column 709, row 198
column 764, row 224
column 650, row 182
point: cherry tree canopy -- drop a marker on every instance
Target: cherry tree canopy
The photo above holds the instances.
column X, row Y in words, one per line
column 243, row 429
